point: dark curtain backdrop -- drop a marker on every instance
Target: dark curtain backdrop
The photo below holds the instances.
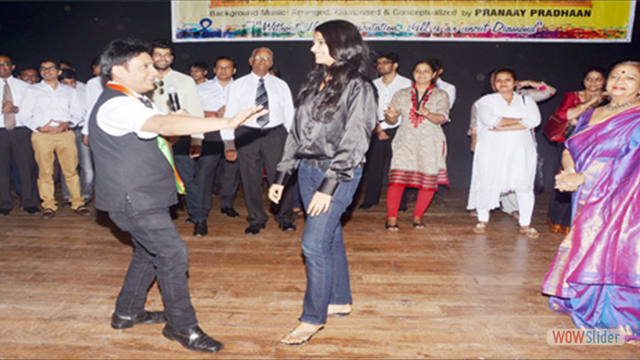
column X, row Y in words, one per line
column 77, row 31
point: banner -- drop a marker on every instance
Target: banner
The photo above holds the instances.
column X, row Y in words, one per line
column 561, row 21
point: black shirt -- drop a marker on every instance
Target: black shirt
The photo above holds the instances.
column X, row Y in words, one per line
column 344, row 139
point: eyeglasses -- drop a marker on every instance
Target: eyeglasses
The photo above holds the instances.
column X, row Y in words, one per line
column 48, row 68
column 262, row 58
column 6, row 64
column 160, row 84
column 166, row 56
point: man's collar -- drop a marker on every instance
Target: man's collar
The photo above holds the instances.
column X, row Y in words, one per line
column 57, row 84
column 395, row 76
column 216, row 81
column 260, row 77
column 169, row 70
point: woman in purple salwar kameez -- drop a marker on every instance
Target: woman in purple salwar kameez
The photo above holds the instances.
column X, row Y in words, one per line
column 595, row 275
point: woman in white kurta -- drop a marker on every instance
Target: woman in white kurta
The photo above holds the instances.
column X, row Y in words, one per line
column 505, row 157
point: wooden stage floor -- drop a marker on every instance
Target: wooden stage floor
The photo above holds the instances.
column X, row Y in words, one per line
column 442, row 292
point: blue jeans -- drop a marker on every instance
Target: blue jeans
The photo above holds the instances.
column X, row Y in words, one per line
column 323, row 245
column 87, row 174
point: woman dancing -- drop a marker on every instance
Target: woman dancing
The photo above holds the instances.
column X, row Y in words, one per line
column 327, row 143
column 595, row 275
column 420, row 147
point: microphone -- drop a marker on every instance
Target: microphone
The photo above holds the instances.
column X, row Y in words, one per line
column 173, row 99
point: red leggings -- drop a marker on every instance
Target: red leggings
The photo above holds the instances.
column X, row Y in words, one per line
column 394, row 197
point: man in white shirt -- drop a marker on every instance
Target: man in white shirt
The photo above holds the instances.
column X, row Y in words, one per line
column 15, row 143
column 187, row 148
column 50, row 109
column 68, row 77
column 198, row 72
column 450, row 89
column 214, row 95
column 29, row 75
column 95, row 87
column 80, row 86
column 261, row 141
column 379, row 152
column 136, row 186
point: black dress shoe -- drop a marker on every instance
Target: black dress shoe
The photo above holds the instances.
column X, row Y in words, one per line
column 120, row 322
column 200, row 229
column 4, row 212
column 32, row 210
column 230, row 212
column 254, row 229
column 366, row 206
column 193, row 339
column 288, row 227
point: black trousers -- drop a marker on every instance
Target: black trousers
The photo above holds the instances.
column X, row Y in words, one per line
column 16, row 144
column 212, row 160
column 560, row 209
column 378, row 155
column 159, row 253
column 443, row 188
column 257, row 149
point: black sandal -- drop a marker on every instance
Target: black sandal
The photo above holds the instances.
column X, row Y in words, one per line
column 391, row 227
column 419, row 225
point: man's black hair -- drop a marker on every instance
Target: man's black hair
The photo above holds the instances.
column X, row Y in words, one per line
column 67, row 74
column 163, row 44
column 120, row 52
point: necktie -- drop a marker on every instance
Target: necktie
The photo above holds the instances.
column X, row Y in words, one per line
column 262, row 98
column 165, row 149
column 9, row 119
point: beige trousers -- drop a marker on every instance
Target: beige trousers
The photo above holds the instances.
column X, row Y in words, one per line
column 45, row 147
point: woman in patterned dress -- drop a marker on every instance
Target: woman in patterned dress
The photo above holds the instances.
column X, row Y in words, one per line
column 420, row 147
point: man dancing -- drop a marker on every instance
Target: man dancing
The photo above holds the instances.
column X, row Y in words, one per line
column 135, row 183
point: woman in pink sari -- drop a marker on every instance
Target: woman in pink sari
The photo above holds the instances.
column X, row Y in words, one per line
column 595, row 275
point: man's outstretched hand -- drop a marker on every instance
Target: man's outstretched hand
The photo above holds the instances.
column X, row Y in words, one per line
column 247, row 115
